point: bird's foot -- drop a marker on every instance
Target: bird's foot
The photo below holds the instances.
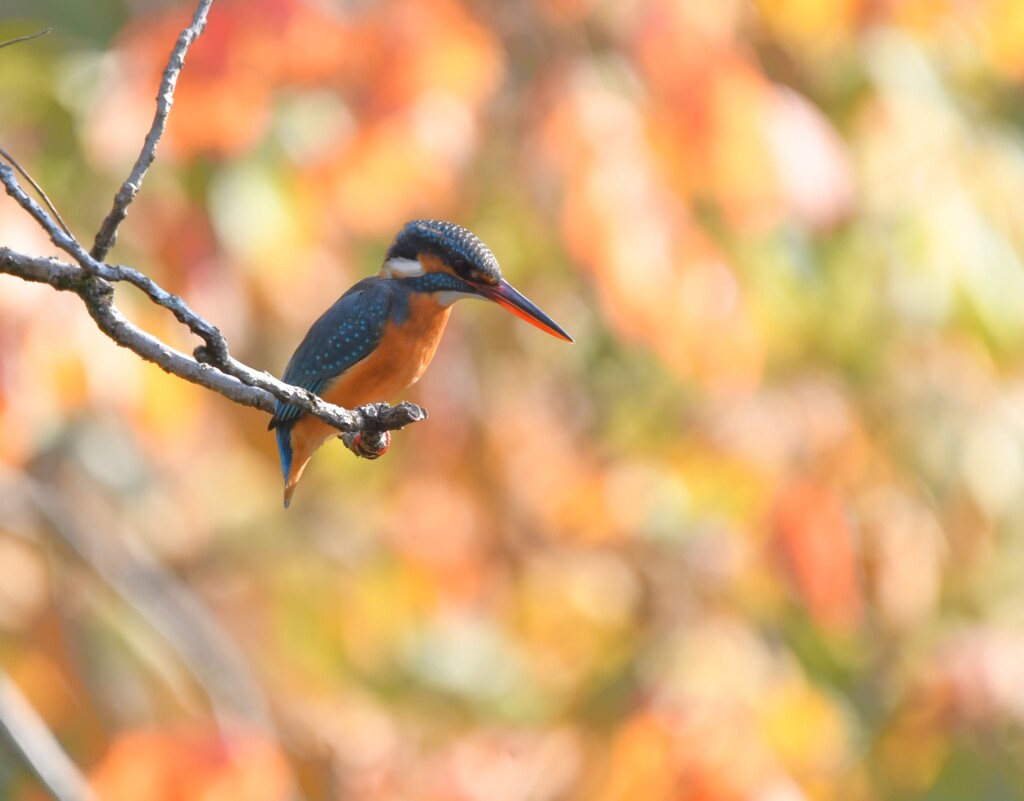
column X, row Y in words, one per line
column 368, row 445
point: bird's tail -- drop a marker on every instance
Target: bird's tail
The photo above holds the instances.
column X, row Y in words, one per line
column 296, row 441
column 284, row 447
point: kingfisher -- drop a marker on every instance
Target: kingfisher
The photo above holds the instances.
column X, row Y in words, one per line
column 378, row 338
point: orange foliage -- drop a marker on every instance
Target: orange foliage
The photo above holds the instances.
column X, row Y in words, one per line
column 785, row 235
column 659, row 278
column 709, row 116
column 367, row 182
column 438, row 526
column 815, row 542
column 1003, row 22
column 549, row 471
column 713, row 128
column 653, row 757
column 811, row 23
column 248, row 50
column 191, row 765
column 40, row 679
column 422, row 82
column 641, row 763
column 413, row 74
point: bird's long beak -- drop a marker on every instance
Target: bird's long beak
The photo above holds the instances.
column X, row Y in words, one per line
column 504, row 294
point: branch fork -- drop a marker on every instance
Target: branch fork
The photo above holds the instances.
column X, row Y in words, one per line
column 88, row 275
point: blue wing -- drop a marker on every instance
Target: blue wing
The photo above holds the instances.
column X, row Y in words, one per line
column 345, row 334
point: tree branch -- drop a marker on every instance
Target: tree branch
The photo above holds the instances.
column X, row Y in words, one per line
column 89, row 277
column 236, row 382
column 27, row 38
column 31, row 180
column 30, row 736
column 107, row 235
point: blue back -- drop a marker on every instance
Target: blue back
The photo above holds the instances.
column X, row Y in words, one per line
column 345, row 334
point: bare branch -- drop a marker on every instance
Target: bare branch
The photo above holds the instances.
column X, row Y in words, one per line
column 24, row 174
column 40, row 269
column 235, row 381
column 29, row 734
column 216, row 349
column 92, row 280
column 107, row 235
column 65, row 241
column 26, row 38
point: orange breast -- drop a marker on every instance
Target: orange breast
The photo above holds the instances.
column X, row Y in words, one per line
column 404, row 352
column 400, row 359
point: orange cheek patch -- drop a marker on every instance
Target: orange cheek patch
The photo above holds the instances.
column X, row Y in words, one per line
column 432, row 263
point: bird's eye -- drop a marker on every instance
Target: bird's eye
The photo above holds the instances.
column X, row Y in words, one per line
column 461, row 267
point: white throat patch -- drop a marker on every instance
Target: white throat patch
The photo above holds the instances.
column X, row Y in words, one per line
column 446, row 299
column 401, row 268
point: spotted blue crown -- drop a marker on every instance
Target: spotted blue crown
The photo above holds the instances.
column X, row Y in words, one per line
column 456, row 246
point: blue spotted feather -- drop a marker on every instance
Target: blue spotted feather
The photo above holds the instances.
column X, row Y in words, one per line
column 344, row 335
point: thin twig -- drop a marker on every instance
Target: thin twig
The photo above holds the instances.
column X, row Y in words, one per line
column 107, row 235
column 216, row 347
column 26, row 38
column 14, row 162
column 39, row 190
column 27, row 732
column 216, row 350
column 58, row 236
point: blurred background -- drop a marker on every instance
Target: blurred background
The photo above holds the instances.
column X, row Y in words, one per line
column 757, row 536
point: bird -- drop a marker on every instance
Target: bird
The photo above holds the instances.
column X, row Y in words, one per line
column 379, row 337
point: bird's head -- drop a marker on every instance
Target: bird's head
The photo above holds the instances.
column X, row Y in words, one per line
column 449, row 262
